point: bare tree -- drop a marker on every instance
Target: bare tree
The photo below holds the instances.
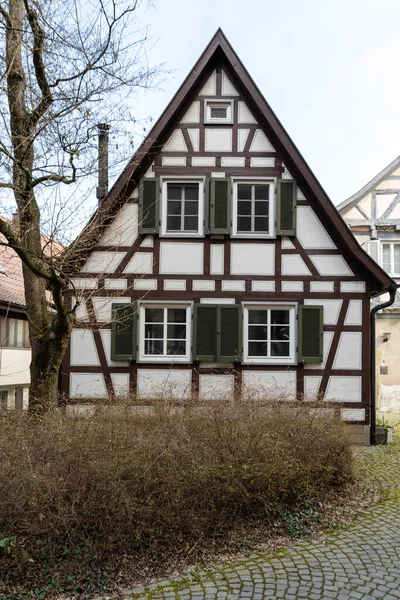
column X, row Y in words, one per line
column 66, row 65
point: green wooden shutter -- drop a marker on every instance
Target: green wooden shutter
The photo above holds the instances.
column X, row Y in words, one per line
column 286, row 207
column 149, row 205
column 229, row 332
column 123, row 331
column 220, row 206
column 204, row 332
column 310, row 333
column 207, row 206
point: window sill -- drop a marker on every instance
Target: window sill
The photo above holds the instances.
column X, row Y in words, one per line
column 182, row 235
column 268, row 361
column 253, row 236
column 184, row 360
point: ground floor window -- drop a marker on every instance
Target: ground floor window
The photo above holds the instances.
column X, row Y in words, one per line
column 164, row 332
column 3, row 399
column 19, row 398
column 269, row 334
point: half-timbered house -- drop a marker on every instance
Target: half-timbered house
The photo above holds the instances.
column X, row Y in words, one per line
column 220, row 266
column 373, row 215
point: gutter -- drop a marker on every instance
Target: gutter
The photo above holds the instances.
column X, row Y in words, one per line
column 392, row 291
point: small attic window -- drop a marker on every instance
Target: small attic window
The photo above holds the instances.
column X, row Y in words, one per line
column 218, row 111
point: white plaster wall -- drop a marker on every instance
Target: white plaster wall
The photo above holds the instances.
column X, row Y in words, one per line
column 331, row 309
column 176, row 142
column 219, row 140
column 105, row 335
column 203, row 161
column 352, row 414
column 352, row 286
column 173, row 161
column 235, row 285
column 103, row 262
column 181, row 258
column 244, row 115
column 293, row 264
column 145, row 284
column 80, row 283
column 292, row 286
column 348, row 354
column 261, row 143
column 287, row 243
column 115, row 284
column 311, row 386
column 322, row 286
column 123, row 231
column 193, row 114
column 164, row 383
column 269, row 384
column 203, row 285
column 87, row 385
column 331, row 265
column 310, row 230
column 120, row 383
column 343, row 389
column 263, row 286
column 252, row 259
column 217, row 259
column 354, row 313
column 102, row 307
column 175, row 284
column 83, row 348
column 141, row 262
column 194, row 135
column 227, row 87
column 216, row 387
column 243, row 134
column 14, row 366
column 210, row 87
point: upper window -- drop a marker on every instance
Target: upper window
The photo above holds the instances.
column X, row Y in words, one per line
column 165, row 332
column 183, row 208
column 253, row 209
column 218, row 111
column 391, row 257
column 16, row 333
column 269, row 334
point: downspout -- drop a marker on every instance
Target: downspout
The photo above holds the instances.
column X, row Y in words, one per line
column 392, row 292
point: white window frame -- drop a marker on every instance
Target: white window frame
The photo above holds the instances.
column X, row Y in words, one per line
column 209, row 103
column 272, row 207
column 164, row 206
column 275, row 360
column 184, row 359
column 391, row 243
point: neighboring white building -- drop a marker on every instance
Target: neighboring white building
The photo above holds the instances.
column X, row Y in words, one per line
column 15, row 351
column 373, row 215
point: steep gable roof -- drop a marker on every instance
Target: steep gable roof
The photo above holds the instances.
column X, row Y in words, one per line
column 219, row 50
column 371, row 185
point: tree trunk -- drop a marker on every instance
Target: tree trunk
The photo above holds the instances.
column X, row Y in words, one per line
column 49, row 329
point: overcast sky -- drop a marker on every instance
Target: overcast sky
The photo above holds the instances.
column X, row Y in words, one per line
column 329, row 69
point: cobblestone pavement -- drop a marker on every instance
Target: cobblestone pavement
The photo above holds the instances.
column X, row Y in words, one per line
column 361, row 561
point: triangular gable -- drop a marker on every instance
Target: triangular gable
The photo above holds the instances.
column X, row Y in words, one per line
column 201, row 77
column 353, row 200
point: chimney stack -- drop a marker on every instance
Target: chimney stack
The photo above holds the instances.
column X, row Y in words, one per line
column 102, row 188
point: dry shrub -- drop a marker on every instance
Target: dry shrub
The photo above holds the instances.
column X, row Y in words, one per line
column 133, row 482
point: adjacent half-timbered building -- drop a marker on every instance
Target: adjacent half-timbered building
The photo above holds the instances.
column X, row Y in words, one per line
column 373, row 215
column 220, row 264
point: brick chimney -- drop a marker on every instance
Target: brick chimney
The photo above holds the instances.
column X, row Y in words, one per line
column 102, row 188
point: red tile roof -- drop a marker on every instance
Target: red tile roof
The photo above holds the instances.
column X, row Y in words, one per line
column 11, row 279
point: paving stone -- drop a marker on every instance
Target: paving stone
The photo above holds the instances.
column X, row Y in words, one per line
column 358, row 562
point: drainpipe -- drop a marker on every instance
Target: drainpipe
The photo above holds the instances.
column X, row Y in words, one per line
column 392, row 292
